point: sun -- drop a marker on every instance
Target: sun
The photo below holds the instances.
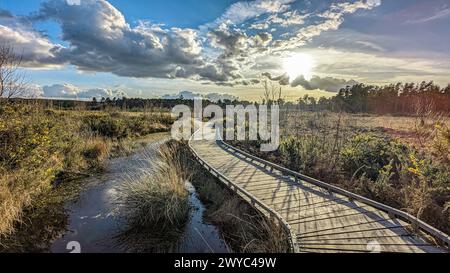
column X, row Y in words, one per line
column 297, row 65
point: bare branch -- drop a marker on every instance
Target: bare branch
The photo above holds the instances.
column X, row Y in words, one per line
column 12, row 81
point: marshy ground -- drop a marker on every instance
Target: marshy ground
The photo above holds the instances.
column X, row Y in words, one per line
column 105, row 160
column 107, row 181
column 98, row 223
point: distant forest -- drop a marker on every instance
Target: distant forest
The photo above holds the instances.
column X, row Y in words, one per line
column 399, row 99
column 390, row 99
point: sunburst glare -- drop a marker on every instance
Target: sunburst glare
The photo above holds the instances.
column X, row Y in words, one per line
column 297, row 65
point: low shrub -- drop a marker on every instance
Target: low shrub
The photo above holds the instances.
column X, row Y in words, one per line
column 122, row 126
column 441, row 143
column 96, row 152
column 375, row 166
column 29, row 159
column 312, row 155
column 107, row 126
column 367, row 154
column 290, row 149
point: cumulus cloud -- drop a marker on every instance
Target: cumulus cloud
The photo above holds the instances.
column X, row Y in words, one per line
column 286, row 19
column 332, row 20
column 328, row 83
column 101, row 40
column 282, row 79
column 34, row 48
column 101, row 93
column 96, row 37
column 68, row 91
column 188, row 95
column 242, row 11
column 237, row 49
column 33, row 91
column 60, row 91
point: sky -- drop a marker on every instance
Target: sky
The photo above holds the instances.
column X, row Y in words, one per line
column 151, row 48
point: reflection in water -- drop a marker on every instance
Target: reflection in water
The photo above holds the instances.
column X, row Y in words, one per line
column 197, row 236
column 95, row 222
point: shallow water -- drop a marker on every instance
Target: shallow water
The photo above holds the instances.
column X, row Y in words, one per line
column 95, row 224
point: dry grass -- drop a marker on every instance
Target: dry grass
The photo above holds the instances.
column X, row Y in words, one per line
column 407, row 128
column 15, row 198
column 42, row 222
column 157, row 197
column 246, row 230
column 39, row 147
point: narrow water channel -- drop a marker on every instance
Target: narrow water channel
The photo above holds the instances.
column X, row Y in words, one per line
column 95, row 221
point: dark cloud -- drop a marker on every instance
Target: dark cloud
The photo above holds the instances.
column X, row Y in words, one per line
column 282, row 79
column 232, row 42
column 101, row 40
column 327, row 83
column 237, row 49
column 5, row 14
column 34, row 48
column 234, row 47
column 249, row 82
column 262, row 39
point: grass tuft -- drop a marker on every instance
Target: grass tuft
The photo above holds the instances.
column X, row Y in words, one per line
column 157, row 197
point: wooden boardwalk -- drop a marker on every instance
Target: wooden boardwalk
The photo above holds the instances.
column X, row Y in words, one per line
column 319, row 219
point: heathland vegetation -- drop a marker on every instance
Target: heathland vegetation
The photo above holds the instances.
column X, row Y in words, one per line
column 389, row 143
column 48, row 146
column 45, row 153
column 399, row 161
column 41, row 147
column 402, row 161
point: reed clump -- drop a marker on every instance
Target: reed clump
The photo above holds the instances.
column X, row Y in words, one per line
column 157, row 198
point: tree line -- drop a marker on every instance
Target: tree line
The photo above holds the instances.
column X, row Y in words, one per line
column 396, row 99
column 399, row 98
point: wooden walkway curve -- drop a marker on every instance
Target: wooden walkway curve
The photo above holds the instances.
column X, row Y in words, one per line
column 318, row 216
